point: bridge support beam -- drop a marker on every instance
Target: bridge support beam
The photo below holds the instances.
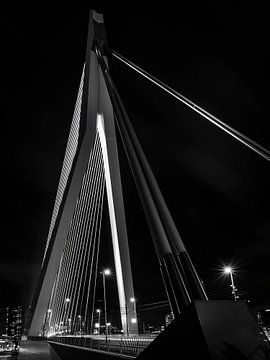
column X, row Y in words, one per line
column 172, row 272
column 212, row 330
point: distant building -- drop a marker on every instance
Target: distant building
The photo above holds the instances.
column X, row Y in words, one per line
column 168, row 319
column 263, row 319
column 2, row 321
column 14, row 321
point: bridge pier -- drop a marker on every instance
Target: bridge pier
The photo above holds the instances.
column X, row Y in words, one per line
column 211, row 330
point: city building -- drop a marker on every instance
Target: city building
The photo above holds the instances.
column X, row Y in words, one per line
column 14, row 322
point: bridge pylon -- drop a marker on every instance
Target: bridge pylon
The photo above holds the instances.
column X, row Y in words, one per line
column 93, row 117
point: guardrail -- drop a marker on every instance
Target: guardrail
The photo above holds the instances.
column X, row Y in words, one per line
column 131, row 346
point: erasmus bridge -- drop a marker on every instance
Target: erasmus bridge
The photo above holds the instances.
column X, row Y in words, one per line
column 64, row 313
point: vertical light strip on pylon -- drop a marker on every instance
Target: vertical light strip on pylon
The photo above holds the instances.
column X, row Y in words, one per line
column 68, row 161
column 114, row 230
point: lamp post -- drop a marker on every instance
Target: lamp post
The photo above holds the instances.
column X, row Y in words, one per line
column 98, row 311
column 134, row 320
column 61, row 327
column 105, row 273
column 229, row 270
column 67, row 301
column 49, row 314
column 69, row 326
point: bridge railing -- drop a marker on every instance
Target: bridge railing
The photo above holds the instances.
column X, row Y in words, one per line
column 131, row 346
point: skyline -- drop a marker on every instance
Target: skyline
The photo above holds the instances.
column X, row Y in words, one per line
column 215, row 188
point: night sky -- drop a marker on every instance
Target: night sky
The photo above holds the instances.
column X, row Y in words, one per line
column 217, row 189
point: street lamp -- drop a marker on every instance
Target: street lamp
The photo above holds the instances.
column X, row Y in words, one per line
column 134, row 319
column 105, row 272
column 49, row 315
column 229, row 270
column 97, row 326
column 98, row 311
column 67, row 301
column 133, row 300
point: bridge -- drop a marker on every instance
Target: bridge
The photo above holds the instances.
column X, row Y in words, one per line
column 67, row 311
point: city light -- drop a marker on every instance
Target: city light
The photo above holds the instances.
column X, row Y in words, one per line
column 97, row 325
column 228, row 270
column 104, row 273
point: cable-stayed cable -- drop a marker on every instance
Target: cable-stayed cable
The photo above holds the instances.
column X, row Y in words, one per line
column 253, row 145
column 91, row 234
column 72, row 236
column 68, row 161
column 90, row 175
column 90, row 222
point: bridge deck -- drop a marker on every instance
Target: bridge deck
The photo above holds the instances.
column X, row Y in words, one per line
column 128, row 346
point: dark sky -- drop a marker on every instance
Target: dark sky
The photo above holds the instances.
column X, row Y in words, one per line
column 217, row 190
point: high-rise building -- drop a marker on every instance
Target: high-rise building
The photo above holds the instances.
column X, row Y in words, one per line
column 14, row 321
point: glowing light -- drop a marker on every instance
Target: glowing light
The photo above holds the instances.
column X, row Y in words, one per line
column 97, row 325
column 67, row 300
column 108, row 324
column 228, row 270
column 117, row 259
column 107, row 272
column 132, row 299
column 133, row 320
column 98, row 311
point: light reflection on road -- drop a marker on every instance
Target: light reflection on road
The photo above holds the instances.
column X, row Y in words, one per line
column 34, row 350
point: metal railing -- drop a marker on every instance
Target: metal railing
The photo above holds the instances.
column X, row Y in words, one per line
column 131, row 346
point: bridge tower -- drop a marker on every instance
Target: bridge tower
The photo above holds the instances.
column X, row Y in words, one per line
column 203, row 328
column 93, row 116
